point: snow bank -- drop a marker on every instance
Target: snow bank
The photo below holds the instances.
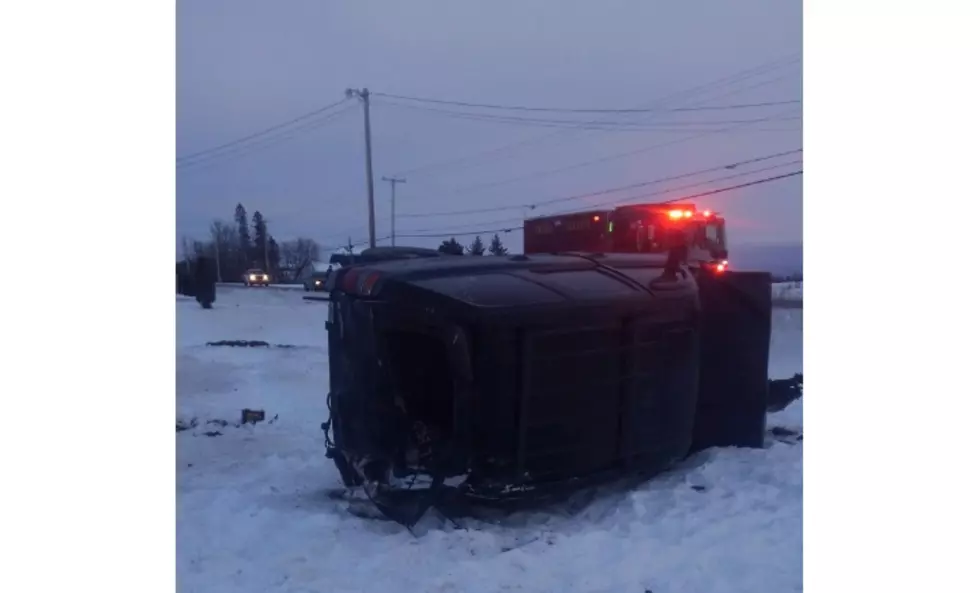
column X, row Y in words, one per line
column 788, row 291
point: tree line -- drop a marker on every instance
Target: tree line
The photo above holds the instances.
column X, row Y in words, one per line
column 453, row 247
column 245, row 243
column 239, row 245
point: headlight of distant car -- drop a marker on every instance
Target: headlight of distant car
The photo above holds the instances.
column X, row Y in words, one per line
column 251, row 277
column 265, row 277
column 317, row 282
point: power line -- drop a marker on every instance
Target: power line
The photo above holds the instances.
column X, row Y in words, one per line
column 634, row 198
column 648, row 195
column 263, row 132
column 687, row 93
column 262, row 144
column 592, row 162
column 558, row 109
column 607, row 191
column 449, row 232
column 741, row 106
column 577, row 124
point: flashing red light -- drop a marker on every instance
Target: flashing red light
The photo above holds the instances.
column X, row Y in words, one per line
column 707, row 213
column 688, row 214
column 720, row 268
column 595, row 218
column 675, row 214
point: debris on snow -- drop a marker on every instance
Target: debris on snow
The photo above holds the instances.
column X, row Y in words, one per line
column 249, row 344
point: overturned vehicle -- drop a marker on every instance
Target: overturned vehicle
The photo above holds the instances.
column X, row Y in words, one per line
column 501, row 379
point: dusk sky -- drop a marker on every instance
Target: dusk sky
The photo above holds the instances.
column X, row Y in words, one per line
column 246, row 65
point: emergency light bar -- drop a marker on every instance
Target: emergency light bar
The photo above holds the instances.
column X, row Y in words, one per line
column 678, row 214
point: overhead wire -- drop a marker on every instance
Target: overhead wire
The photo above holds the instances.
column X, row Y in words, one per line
column 601, row 192
column 593, row 162
column 548, row 109
column 633, row 198
column 265, row 131
column 270, row 141
column 608, row 125
column 657, row 103
column 720, row 190
column 461, row 229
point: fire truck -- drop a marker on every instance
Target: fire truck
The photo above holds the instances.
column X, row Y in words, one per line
column 635, row 228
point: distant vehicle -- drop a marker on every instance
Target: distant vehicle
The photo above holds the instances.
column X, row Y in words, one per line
column 256, row 277
column 317, row 281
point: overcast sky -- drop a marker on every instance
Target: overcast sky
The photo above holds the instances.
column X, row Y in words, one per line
column 246, row 65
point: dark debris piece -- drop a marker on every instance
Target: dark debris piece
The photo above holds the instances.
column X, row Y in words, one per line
column 249, row 344
column 252, row 416
column 783, row 392
column 786, row 435
column 781, row 431
column 248, row 417
column 183, row 425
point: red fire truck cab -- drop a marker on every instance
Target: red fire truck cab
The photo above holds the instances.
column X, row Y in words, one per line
column 636, row 228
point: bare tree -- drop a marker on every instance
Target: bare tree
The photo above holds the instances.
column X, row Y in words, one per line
column 187, row 251
column 224, row 249
column 299, row 253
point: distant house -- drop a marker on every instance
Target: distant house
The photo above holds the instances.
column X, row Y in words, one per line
column 338, row 260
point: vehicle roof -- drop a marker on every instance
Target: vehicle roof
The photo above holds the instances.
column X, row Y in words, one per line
column 571, row 214
column 531, row 280
column 465, row 264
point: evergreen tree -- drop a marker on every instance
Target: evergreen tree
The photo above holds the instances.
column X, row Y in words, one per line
column 476, row 247
column 261, row 239
column 497, row 246
column 274, row 263
column 451, row 247
column 244, row 240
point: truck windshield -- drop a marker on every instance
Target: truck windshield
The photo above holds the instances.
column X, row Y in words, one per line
column 714, row 235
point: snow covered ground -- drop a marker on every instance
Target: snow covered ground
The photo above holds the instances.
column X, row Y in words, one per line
column 253, row 514
column 788, row 290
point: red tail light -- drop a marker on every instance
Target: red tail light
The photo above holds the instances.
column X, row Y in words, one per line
column 368, row 283
column 360, row 282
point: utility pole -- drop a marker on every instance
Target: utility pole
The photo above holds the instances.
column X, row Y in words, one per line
column 393, row 181
column 217, row 258
column 365, row 96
